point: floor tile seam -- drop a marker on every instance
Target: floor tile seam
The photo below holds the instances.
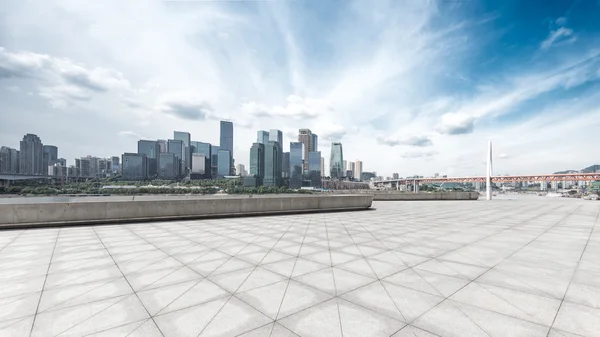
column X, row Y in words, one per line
column 475, row 279
column 232, row 294
column 469, row 318
column 574, row 272
column 86, row 303
column 44, row 284
column 379, row 280
column 291, row 273
column 130, row 286
column 119, row 326
column 13, row 240
column 333, row 278
column 17, row 321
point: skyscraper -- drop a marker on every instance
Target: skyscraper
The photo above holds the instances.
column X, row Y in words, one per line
column 186, row 153
column 322, row 167
column 285, row 166
column 32, row 155
column 206, row 150
column 134, row 166
column 262, row 136
column 226, row 141
column 305, row 137
column 162, row 146
column 345, row 165
column 314, row 168
column 176, row 148
column 240, row 170
column 9, row 160
column 214, row 156
column 272, row 164
column 151, row 149
column 315, row 142
column 296, row 169
column 223, row 163
column 167, row 166
column 257, row 161
column 336, row 161
column 277, row 136
column 358, row 169
column 50, row 155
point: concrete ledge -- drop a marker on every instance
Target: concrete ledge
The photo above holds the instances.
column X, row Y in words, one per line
column 398, row 196
column 97, row 212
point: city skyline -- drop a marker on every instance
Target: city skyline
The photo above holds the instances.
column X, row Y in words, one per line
column 424, row 87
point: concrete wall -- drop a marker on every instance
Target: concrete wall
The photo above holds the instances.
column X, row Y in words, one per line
column 391, row 196
column 36, row 214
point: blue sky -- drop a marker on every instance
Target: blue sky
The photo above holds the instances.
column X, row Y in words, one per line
column 408, row 86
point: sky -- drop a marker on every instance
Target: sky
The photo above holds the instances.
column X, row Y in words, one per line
column 407, row 86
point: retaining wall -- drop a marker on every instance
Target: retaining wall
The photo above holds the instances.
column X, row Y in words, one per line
column 398, row 196
column 90, row 212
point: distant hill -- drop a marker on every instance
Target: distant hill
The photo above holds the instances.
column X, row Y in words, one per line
column 589, row 169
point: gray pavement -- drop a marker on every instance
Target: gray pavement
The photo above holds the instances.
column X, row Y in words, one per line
column 526, row 267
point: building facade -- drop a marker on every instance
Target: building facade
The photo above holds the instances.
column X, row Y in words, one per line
column 206, row 150
column 272, row 164
column 198, row 164
column 168, row 166
column 336, row 161
column 314, row 169
column 50, row 154
column 176, row 147
column 315, row 142
column 162, row 146
column 257, row 161
column 223, row 163
column 151, row 149
column 358, row 169
column 306, row 138
column 262, row 136
column 296, row 164
column 32, row 156
column 186, row 153
column 277, row 136
column 135, row 166
column 9, row 160
column 226, row 141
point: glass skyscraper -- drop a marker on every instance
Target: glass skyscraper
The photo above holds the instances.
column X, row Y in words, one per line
column 315, row 142
column 206, row 150
column 134, row 166
column 277, row 136
column 226, row 141
column 272, row 164
column 296, row 153
column 186, row 153
column 223, row 163
column 176, row 148
column 314, row 168
column 305, row 137
column 336, row 161
column 167, row 166
column 262, row 136
column 151, row 149
column 257, row 161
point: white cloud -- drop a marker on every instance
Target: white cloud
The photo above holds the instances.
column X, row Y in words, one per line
column 416, row 140
column 184, row 106
column 456, row 124
column 418, row 154
column 556, row 36
column 131, row 134
column 296, row 107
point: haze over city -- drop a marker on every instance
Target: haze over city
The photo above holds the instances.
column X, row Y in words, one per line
column 413, row 87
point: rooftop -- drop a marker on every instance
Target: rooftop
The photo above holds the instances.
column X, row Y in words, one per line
column 524, row 267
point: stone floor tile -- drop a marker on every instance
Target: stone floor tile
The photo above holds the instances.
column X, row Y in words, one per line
column 578, row 319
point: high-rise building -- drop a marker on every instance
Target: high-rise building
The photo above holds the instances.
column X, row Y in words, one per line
column 315, row 142
column 322, row 167
column 352, row 168
column 9, row 160
column 50, row 154
column 272, row 164
column 198, row 164
column 151, row 149
column 206, row 150
column 277, row 136
column 262, row 136
column 226, row 141
column 305, row 137
column 336, row 161
column 257, row 161
column 115, row 166
column 358, row 170
column 314, row 168
column 296, row 165
column 186, row 153
column 345, row 165
column 176, row 147
column 223, row 163
column 214, row 149
column 32, row 156
column 240, row 170
column 162, row 146
column 168, row 166
column 135, row 166
column 395, row 176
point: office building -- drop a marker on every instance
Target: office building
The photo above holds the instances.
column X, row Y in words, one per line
column 151, row 149
column 186, row 153
column 115, row 164
column 223, row 163
column 135, row 166
column 262, row 136
column 214, row 149
column 296, row 165
column 277, row 136
column 240, row 170
column 226, row 140
column 315, row 142
column 272, row 164
column 168, row 166
column 336, row 161
column 395, row 176
column 305, row 137
column 358, row 169
column 32, row 156
column 314, row 169
column 285, row 165
column 50, row 154
column 176, row 147
column 323, row 167
column 9, row 160
column 198, row 165
column 162, row 146
column 257, row 161
column 206, row 150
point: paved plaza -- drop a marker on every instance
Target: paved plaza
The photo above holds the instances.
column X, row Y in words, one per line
column 502, row 268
